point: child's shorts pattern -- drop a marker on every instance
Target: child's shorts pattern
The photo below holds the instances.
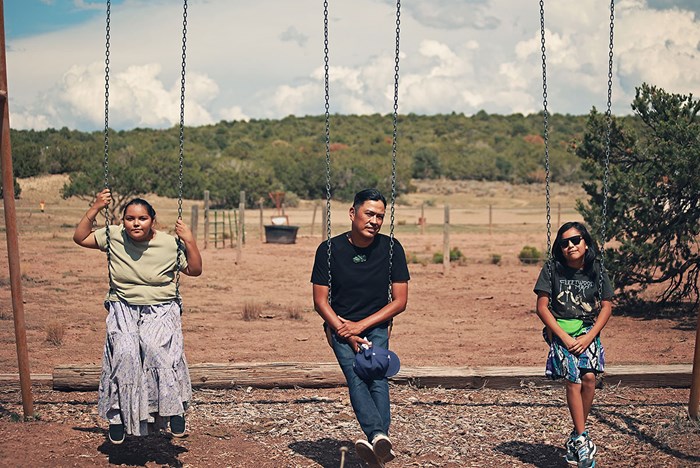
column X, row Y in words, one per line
column 563, row 364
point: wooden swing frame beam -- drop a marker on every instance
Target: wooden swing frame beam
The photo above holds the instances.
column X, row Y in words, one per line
column 11, row 232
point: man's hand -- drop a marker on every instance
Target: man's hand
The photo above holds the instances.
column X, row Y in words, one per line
column 356, row 341
column 349, row 328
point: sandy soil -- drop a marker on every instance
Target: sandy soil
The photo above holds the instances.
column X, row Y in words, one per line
column 474, row 313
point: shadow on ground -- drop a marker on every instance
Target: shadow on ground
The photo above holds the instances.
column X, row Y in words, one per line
column 326, row 452
column 540, row 455
column 139, row 451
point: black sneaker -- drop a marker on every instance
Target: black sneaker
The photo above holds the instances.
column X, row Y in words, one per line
column 177, row 425
column 116, row 433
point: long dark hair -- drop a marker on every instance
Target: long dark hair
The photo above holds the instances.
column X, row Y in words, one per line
column 142, row 202
column 591, row 253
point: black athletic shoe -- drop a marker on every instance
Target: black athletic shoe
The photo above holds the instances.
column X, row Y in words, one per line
column 177, row 426
column 116, row 433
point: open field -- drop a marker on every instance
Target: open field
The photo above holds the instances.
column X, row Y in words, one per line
column 477, row 313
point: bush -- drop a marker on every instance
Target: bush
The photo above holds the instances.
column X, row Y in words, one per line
column 55, row 331
column 251, row 311
column 455, row 255
column 496, row 259
column 530, row 255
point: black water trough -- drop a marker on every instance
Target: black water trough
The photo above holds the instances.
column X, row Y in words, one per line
column 281, row 234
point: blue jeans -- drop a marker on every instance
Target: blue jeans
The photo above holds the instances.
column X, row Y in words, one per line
column 369, row 399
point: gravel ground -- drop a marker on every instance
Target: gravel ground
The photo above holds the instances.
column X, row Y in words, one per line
column 303, row 427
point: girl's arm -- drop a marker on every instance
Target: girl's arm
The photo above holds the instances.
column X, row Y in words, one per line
column 194, row 258
column 601, row 321
column 83, row 235
column 551, row 322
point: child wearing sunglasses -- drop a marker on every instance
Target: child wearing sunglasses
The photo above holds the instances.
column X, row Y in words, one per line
column 574, row 301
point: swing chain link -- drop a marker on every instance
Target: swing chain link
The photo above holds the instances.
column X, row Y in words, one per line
column 608, row 137
column 108, row 249
column 328, row 143
column 545, row 137
column 394, row 144
column 180, row 246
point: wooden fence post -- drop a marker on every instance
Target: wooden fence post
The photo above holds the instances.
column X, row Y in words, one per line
column 241, row 208
column 206, row 218
column 195, row 220
column 446, row 241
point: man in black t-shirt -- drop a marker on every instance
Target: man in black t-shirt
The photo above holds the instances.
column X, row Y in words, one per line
column 360, row 312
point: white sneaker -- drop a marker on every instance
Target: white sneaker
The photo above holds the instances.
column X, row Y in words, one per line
column 366, row 452
column 381, row 445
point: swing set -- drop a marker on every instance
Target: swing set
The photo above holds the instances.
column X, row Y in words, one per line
column 10, row 212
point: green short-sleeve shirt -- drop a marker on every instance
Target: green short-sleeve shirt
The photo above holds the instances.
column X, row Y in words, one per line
column 143, row 273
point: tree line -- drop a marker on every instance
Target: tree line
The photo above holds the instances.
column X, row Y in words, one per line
column 289, row 155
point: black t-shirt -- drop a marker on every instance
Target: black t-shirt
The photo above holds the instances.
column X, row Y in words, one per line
column 360, row 276
column 575, row 291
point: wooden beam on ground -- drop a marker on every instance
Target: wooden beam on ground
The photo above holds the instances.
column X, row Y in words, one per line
column 327, row 374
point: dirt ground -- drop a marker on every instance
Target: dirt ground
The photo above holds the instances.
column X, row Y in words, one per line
column 476, row 313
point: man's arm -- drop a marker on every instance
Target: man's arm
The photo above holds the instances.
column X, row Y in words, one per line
column 398, row 304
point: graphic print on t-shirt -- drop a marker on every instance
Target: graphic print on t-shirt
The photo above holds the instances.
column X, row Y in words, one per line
column 572, row 295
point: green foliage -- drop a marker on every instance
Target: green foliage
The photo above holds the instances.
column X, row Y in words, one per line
column 290, row 154
column 653, row 211
column 455, row 255
column 496, row 259
column 18, row 189
column 529, row 255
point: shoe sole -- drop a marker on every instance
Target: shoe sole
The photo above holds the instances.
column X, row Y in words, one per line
column 366, row 453
column 382, row 448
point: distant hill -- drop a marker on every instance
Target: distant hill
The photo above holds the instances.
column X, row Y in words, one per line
column 290, row 154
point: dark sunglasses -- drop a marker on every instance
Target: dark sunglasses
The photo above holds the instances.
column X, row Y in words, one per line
column 564, row 243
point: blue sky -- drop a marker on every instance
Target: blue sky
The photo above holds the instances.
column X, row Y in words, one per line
column 264, row 58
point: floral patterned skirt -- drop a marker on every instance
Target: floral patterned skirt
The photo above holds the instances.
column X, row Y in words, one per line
column 144, row 372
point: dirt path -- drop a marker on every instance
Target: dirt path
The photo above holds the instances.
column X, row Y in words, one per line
column 477, row 313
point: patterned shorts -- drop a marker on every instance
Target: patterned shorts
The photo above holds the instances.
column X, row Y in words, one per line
column 563, row 364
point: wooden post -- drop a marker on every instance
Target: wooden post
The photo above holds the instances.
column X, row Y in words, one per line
column 490, row 219
column 206, row 218
column 313, row 218
column 241, row 208
column 216, row 229
column 239, row 244
column 230, row 230
column 11, row 233
column 446, row 241
column 195, row 220
column 694, row 402
column 422, row 219
column 262, row 226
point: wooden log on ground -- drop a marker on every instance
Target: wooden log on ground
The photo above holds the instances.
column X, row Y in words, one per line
column 327, row 374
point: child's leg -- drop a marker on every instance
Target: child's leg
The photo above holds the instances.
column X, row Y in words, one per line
column 574, row 401
column 587, row 393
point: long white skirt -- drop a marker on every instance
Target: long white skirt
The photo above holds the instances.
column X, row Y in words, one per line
column 144, row 372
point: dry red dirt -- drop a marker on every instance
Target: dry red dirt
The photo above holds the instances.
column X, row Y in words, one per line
column 477, row 313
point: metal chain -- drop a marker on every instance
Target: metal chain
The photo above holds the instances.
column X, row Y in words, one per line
column 545, row 136
column 180, row 247
column 394, row 143
column 106, row 143
column 608, row 136
column 328, row 143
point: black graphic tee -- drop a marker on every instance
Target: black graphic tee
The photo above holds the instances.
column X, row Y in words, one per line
column 575, row 292
column 360, row 276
